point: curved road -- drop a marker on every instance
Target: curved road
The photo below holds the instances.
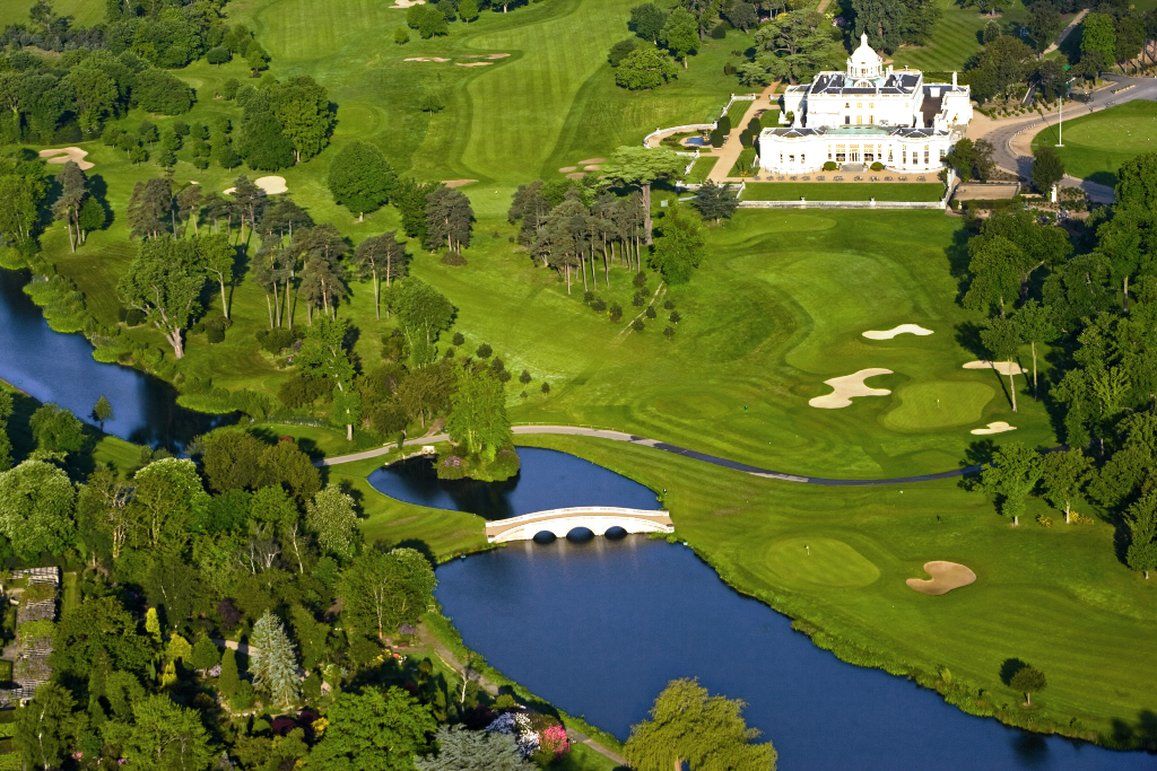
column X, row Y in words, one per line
column 1012, row 138
column 620, row 436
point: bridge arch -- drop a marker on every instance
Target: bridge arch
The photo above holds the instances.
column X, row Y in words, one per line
column 560, row 522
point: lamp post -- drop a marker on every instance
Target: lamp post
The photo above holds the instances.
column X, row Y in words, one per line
column 1061, row 110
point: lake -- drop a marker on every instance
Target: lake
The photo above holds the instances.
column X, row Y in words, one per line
column 53, row 367
column 599, row 627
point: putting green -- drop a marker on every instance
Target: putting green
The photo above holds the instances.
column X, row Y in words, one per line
column 938, row 404
column 809, row 562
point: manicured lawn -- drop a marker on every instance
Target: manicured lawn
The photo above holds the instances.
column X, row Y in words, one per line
column 700, row 169
column 954, row 38
column 736, row 111
column 551, row 104
column 766, row 319
column 1096, row 145
column 839, row 191
column 83, row 12
column 1056, row 597
column 445, row 533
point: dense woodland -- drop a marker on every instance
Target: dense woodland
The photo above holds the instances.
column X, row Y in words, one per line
column 1084, row 301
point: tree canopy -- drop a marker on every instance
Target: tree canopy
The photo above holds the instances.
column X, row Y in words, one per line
column 688, row 725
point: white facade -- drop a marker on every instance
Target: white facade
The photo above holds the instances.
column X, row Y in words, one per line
column 864, row 115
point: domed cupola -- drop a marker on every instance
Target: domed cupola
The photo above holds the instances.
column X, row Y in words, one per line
column 865, row 63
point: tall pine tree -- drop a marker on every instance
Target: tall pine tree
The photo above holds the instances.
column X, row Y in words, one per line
column 273, row 660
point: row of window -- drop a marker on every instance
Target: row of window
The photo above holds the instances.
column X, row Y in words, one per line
column 859, row 155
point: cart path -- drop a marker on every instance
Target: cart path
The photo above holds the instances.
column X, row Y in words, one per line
column 622, row 436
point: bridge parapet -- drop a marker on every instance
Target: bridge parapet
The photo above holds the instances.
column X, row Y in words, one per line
column 597, row 519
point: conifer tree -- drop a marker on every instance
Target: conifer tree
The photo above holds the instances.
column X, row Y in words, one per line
column 204, row 654
column 273, row 660
column 229, row 680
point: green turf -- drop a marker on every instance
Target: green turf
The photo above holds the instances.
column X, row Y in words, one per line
column 1096, row 145
column 83, row 12
column 946, row 403
column 736, row 112
column 700, row 169
column 446, row 533
column 800, row 561
column 552, row 103
column 1056, row 597
column 954, row 38
column 841, row 191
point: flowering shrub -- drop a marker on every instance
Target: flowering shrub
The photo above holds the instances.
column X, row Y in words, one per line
column 518, row 725
column 554, row 740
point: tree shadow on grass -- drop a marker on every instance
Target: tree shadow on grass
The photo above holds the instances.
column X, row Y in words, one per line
column 1139, row 735
column 1106, row 178
column 968, row 337
column 421, row 547
column 1009, row 669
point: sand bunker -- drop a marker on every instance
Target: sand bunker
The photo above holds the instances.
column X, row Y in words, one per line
column 575, row 175
column 585, row 161
column 998, row 427
column 453, row 183
column 472, row 64
column 403, row 4
column 1002, row 367
column 438, row 59
column 903, row 329
column 62, row 155
column 848, row 387
column 491, row 57
column 274, row 185
column 567, row 169
column 593, row 167
column 946, row 576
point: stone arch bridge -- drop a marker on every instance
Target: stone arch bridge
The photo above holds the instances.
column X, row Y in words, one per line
column 559, row 522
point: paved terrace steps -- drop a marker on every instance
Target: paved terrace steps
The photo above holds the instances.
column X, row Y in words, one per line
column 622, row 436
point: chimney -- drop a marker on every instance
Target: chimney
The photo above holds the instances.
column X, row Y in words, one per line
column 954, row 78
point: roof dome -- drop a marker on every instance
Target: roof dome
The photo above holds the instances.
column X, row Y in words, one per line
column 864, row 61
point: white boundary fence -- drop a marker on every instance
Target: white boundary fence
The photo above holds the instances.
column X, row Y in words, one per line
column 803, row 203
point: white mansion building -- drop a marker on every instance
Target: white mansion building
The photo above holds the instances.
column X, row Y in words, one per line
column 865, row 115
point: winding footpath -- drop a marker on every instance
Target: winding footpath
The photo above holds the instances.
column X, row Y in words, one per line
column 621, row 436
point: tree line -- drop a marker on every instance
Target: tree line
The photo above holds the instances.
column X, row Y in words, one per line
column 1085, row 305
column 582, row 230
column 433, row 19
column 1010, row 62
column 103, row 71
